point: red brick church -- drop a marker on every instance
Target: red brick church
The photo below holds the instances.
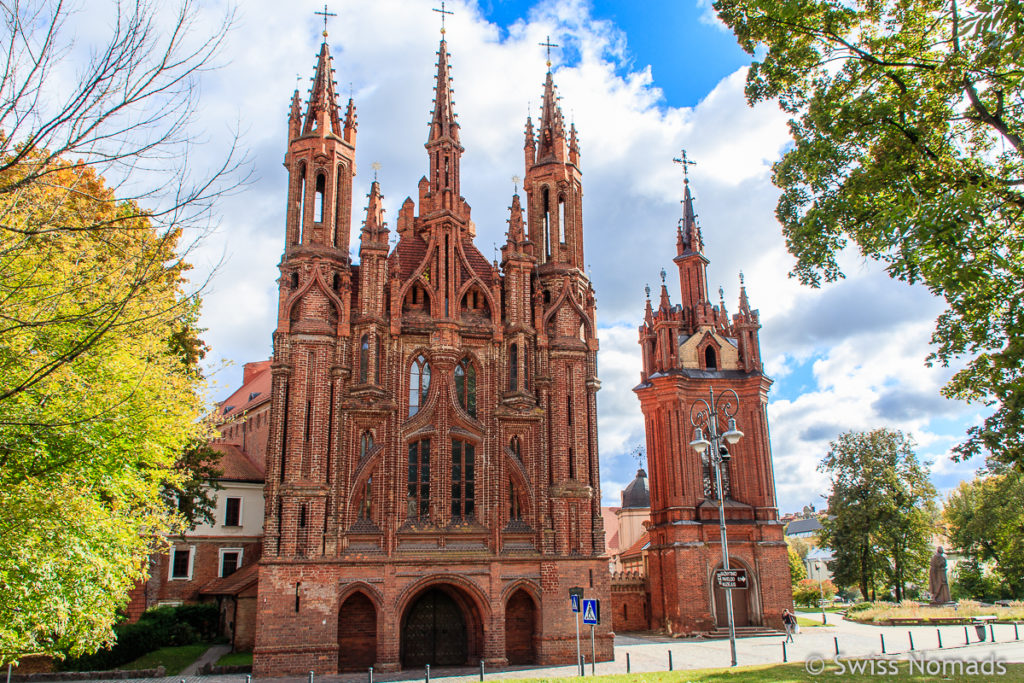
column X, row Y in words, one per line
column 432, row 488
column 689, row 349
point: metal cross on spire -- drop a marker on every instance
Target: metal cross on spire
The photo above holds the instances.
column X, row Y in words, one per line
column 442, row 12
column 376, row 167
column 548, row 44
column 684, row 162
column 325, row 14
column 515, row 183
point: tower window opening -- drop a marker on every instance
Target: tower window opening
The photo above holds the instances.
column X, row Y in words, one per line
column 379, row 360
column 513, row 367
column 365, row 444
column 337, row 282
column 339, row 207
column 447, row 168
column 318, row 199
column 515, row 445
column 710, row 362
column 302, row 516
column 572, row 464
column 562, row 230
column 364, row 359
column 302, row 202
column 547, row 224
column 294, row 280
column 515, row 510
column 309, row 419
column 366, row 506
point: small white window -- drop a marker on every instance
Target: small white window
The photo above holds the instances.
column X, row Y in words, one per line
column 181, row 563
column 230, row 561
column 233, row 512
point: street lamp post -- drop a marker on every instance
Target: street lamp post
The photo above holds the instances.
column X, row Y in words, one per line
column 706, row 417
column 821, row 592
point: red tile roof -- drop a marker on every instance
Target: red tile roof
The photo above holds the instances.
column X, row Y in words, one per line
column 636, row 549
column 251, row 394
column 236, row 465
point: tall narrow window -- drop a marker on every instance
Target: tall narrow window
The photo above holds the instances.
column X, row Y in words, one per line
column 379, row 360
column 709, row 359
column 462, row 479
column 547, row 224
column 465, row 386
column 302, row 202
column 513, row 367
column 572, row 464
column 561, row 220
column 419, row 384
column 419, row 479
column 516, row 446
column 364, row 359
column 366, row 505
column 339, row 207
column 318, row 200
column 515, row 511
column 365, row 444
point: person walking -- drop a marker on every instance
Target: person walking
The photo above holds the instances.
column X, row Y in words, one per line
column 789, row 622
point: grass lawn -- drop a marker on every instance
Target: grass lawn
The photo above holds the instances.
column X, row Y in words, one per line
column 791, row 673
column 236, row 659
column 805, row 621
column 174, row 659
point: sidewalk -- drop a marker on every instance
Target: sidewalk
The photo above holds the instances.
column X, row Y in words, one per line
column 651, row 652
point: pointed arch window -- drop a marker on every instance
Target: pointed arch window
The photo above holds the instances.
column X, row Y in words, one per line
column 302, row 202
column 710, row 360
column 364, row 359
column 419, row 384
column 366, row 504
column 513, row 367
column 365, row 444
column 318, row 198
column 419, row 480
column 561, row 219
column 465, row 385
column 463, row 479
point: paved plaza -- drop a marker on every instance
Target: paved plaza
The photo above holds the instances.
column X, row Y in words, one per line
column 649, row 652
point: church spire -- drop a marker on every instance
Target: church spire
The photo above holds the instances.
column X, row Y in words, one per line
column 551, row 132
column 442, row 123
column 374, row 225
column 690, row 231
column 322, row 109
column 295, row 117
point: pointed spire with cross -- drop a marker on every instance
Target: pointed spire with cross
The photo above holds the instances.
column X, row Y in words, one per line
column 548, row 44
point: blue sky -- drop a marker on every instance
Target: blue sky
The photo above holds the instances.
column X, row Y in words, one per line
column 642, row 80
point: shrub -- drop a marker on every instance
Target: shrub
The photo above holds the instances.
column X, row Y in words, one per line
column 156, row 628
column 859, row 607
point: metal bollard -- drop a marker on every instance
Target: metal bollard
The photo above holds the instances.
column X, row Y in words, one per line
column 369, row 675
column 784, row 657
column 482, row 662
column 248, row 678
column 967, row 637
column 938, row 633
column 627, row 662
column 1015, row 635
column 427, row 679
column 882, row 636
column 911, row 636
column 670, row 660
column 311, row 673
column 991, row 632
column 836, row 641
column 583, row 665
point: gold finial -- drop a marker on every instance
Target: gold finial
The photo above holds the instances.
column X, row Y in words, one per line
column 442, row 12
column 548, row 44
column 376, row 167
column 325, row 14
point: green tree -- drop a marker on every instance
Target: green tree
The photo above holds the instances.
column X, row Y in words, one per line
column 985, row 521
column 807, row 592
column 881, row 511
column 907, row 129
column 797, row 570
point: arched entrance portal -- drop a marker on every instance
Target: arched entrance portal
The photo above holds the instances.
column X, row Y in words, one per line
column 520, row 624
column 440, row 627
column 357, row 633
column 740, row 611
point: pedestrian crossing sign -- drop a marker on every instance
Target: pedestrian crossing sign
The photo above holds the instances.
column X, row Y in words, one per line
column 574, row 601
column 591, row 612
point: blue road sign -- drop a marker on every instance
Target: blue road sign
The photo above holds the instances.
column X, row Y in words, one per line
column 574, row 600
column 591, row 612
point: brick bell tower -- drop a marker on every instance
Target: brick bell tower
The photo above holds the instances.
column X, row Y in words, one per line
column 432, row 488
column 689, row 349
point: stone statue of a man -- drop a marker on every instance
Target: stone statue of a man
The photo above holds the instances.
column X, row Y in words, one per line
column 938, row 586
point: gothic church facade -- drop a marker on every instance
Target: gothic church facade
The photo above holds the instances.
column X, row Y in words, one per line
column 432, row 485
column 689, row 350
